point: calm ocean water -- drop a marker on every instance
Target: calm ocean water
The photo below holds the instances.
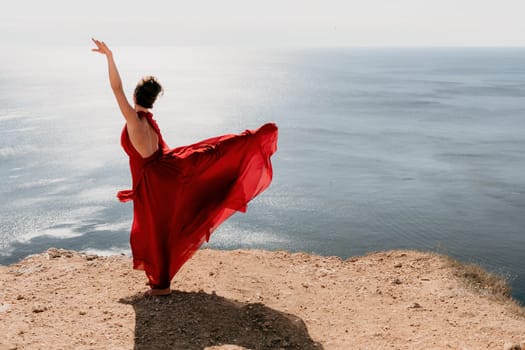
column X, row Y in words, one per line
column 379, row 148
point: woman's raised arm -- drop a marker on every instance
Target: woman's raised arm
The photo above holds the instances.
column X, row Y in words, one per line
column 126, row 109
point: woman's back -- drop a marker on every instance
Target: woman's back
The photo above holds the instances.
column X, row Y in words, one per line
column 144, row 138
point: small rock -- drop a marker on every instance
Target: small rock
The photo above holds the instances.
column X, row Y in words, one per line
column 26, row 270
column 415, row 306
column 512, row 346
column 4, row 307
column 398, row 265
column 39, row 308
column 19, row 297
column 274, row 342
column 53, row 253
column 397, row 281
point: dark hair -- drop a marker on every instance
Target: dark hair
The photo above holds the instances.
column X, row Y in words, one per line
column 147, row 91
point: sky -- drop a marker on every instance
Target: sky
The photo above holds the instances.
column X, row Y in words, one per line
column 268, row 22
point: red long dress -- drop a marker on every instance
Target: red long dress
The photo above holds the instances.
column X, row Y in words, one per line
column 181, row 195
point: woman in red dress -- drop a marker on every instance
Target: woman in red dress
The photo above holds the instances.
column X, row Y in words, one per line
column 181, row 195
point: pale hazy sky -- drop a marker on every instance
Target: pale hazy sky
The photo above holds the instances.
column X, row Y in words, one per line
column 268, row 22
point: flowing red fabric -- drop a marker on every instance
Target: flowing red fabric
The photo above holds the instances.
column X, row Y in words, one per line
column 181, row 195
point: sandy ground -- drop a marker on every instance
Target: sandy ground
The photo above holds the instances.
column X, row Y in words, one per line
column 252, row 299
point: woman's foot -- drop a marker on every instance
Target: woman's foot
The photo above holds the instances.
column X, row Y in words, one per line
column 153, row 292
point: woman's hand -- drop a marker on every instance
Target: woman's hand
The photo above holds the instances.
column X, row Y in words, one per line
column 101, row 48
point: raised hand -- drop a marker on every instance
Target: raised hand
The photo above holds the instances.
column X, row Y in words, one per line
column 116, row 83
column 101, row 48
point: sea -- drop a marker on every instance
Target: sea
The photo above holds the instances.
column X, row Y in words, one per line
column 379, row 148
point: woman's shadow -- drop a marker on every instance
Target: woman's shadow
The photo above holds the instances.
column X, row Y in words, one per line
column 196, row 320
